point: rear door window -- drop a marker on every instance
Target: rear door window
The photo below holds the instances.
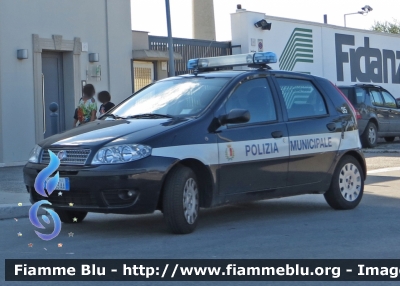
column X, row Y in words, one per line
column 301, row 97
column 376, row 98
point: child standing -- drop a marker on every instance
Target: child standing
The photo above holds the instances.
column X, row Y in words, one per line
column 87, row 107
column 105, row 98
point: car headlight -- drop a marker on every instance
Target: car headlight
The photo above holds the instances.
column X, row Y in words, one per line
column 35, row 154
column 121, row 154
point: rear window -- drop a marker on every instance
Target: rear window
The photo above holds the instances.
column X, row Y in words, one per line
column 360, row 95
column 356, row 95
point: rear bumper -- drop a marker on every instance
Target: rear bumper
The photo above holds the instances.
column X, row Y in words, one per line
column 104, row 188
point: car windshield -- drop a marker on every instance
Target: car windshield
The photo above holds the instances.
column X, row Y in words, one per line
column 171, row 98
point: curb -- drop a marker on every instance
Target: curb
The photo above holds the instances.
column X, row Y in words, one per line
column 380, row 151
column 8, row 211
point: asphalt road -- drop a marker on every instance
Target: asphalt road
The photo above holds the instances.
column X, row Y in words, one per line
column 297, row 227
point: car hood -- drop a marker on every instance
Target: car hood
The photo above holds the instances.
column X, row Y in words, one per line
column 101, row 132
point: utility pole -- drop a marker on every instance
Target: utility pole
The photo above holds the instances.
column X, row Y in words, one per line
column 170, row 42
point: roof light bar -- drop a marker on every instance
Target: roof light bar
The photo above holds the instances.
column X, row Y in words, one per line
column 262, row 58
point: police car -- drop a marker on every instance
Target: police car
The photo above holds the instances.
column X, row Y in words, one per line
column 206, row 139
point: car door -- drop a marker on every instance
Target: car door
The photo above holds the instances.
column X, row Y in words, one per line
column 382, row 112
column 314, row 130
column 394, row 112
column 253, row 156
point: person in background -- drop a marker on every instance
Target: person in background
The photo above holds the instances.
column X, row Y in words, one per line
column 105, row 98
column 75, row 117
column 87, row 106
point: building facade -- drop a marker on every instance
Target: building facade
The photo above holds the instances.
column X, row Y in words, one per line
column 343, row 55
column 48, row 51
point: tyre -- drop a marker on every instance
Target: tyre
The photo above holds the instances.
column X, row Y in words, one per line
column 71, row 216
column 389, row 139
column 181, row 200
column 370, row 136
column 347, row 186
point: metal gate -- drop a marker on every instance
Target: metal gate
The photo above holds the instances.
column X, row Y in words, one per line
column 143, row 74
column 190, row 49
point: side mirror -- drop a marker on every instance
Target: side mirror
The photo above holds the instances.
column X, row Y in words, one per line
column 235, row 116
column 398, row 102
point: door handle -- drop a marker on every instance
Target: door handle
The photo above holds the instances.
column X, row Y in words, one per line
column 277, row 134
column 43, row 106
column 331, row 126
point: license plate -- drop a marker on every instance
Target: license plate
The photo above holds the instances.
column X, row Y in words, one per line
column 63, row 184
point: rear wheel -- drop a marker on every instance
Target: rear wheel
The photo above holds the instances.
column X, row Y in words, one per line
column 370, row 135
column 181, row 200
column 71, row 216
column 347, row 185
column 389, row 139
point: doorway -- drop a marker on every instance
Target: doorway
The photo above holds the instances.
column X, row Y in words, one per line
column 53, row 89
column 143, row 74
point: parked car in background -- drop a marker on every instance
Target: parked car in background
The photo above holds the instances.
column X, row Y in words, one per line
column 379, row 112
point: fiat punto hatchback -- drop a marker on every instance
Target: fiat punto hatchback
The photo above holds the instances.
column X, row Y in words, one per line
column 206, row 139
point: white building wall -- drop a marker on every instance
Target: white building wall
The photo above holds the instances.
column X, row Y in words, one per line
column 104, row 24
column 119, row 49
column 324, row 51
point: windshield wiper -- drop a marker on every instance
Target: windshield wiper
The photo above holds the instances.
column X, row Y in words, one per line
column 150, row 115
column 113, row 116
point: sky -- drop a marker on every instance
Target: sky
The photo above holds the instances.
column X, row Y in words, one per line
column 150, row 16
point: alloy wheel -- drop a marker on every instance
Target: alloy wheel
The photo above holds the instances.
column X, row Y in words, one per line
column 371, row 135
column 350, row 182
column 190, row 201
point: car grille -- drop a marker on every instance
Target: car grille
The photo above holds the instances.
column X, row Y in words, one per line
column 78, row 198
column 73, row 156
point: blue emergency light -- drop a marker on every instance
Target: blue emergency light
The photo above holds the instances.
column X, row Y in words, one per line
column 251, row 59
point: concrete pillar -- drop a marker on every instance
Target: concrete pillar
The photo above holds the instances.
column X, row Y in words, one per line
column 203, row 20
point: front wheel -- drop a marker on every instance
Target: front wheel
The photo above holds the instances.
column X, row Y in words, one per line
column 71, row 216
column 347, row 185
column 181, row 200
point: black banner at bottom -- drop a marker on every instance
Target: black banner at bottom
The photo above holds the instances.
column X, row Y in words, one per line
column 202, row 270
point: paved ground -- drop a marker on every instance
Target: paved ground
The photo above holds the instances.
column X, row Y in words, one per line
column 297, row 227
column 384, row 146
column 12, row 189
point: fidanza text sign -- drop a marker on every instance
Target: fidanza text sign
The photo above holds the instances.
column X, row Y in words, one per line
column 373, row 61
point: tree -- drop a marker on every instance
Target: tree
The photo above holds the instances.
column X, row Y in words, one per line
column 387, row 27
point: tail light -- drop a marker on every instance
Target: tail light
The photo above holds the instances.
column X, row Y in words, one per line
column 356, row 113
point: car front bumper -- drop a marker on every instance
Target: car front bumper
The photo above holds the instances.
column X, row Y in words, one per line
column 104, row 188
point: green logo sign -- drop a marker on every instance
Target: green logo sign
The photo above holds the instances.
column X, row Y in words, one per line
column 299, row 48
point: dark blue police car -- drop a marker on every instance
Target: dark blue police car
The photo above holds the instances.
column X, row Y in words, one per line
column 208, row 139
